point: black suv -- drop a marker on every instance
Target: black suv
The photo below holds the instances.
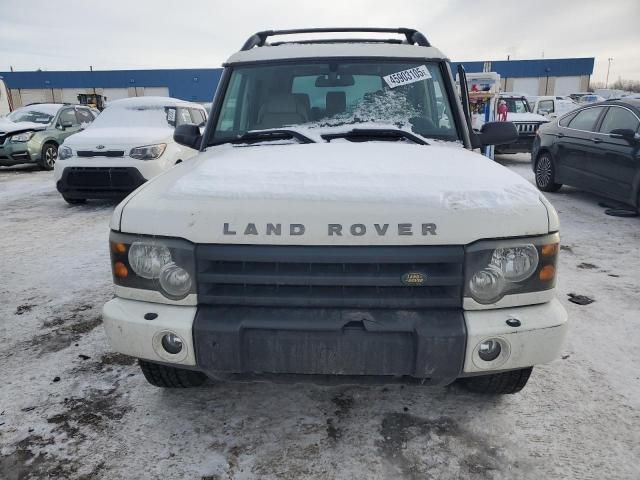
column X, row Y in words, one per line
column 595, row 148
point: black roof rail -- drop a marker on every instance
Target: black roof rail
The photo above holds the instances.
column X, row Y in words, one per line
column 46, row 103
column 413, row 37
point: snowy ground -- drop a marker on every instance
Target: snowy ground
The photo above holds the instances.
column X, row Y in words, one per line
column 69, row 408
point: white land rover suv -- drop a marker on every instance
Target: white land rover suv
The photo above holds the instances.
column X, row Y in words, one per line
column 337, row 224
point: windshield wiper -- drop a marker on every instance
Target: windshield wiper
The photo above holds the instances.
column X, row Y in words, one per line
column 257, row 136
column 367, row 134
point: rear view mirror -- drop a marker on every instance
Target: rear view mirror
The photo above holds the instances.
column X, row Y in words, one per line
column 625, row 134
column 335, row 80
column 188, row 135
column 497, row 133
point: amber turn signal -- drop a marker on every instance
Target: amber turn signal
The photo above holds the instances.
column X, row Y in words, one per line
column 120, row 270
column 547, row 273
column 119, row 247
column 549, row 250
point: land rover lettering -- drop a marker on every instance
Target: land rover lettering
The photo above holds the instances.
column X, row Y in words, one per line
column 333, row 229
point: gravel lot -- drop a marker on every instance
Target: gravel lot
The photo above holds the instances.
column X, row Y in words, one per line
column 70, row 408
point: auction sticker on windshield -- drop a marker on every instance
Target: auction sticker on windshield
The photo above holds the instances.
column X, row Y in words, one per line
column 404, row 77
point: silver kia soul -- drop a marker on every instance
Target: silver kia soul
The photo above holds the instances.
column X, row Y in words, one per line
column 337, row 224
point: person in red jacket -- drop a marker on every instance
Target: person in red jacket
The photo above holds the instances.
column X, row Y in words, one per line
column 502, row 111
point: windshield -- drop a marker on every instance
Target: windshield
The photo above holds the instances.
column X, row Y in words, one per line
column 30, row 114
column 517, row 105
column 156, row 116
column 322, row 95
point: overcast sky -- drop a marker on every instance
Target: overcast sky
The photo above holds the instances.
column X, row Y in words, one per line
column 61, row 35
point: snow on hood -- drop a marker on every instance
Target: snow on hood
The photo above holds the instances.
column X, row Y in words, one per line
column 119, row 136
column 7, row 126
column 526, row 117
column 466, row 195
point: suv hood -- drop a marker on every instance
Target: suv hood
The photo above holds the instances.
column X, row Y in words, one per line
column 7, row 126
column 526, row 117
column 119, row 136
column 379, row 193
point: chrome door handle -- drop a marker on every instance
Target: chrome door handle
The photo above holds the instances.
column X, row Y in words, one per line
column 596, row 140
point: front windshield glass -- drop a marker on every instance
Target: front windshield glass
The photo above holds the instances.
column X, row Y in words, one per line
column 126, row 117
column 30, row 114
column 319, row 96
column 517, row 105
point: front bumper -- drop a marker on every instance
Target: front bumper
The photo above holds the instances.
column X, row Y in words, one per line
column 524, row 144
column 434, row 345
column 18, row 153
column 99, row 182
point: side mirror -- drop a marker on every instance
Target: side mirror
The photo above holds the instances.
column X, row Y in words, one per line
column 188, row 135
column 625, row 134
column 496, row 133
column 65, row 125
column 543, row 112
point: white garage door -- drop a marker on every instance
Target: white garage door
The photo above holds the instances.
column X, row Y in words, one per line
column 156, row 91
column 528, row 86
column 115, row 93
column 567, row 85
column 28, row 95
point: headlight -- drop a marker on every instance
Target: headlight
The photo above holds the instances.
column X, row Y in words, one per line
column 148, row 152
column 22, row 137
column 504, row 267
column 146, row 259
column 164, row 265
column 64, row 153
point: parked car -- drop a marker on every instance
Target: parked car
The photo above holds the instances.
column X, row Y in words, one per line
column 129, row 143
column 590, row 98
column 595, row 148
column 333, row 225
column 576, row 96
column 33, row 134
column 526, row 122
column 551, row 106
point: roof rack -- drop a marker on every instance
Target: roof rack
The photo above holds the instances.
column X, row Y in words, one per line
column 46, row 103
column 413, row 37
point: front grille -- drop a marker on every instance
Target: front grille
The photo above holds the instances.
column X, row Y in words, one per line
column 527, row 128
column 119, row 178
column 103, row 153
column 352, row 277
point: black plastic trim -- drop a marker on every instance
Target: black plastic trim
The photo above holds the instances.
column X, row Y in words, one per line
column 425, row 344
column 412, row 36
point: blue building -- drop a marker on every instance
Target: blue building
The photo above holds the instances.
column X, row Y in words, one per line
column 532, row 77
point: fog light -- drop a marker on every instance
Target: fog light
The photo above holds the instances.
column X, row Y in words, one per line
column 489, row 350
column 172, row 343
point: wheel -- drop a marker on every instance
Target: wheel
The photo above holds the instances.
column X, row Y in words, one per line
column 498, row 383
column 170, row 377
column 546, row 173
column 48, row 156
column 74, row 201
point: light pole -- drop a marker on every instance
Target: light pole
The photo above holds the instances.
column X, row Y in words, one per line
column 606, row 82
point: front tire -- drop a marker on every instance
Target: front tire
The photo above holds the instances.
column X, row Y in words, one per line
column 164, row 376
column 546, row 173
column 48, row 156
column 504, row 383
